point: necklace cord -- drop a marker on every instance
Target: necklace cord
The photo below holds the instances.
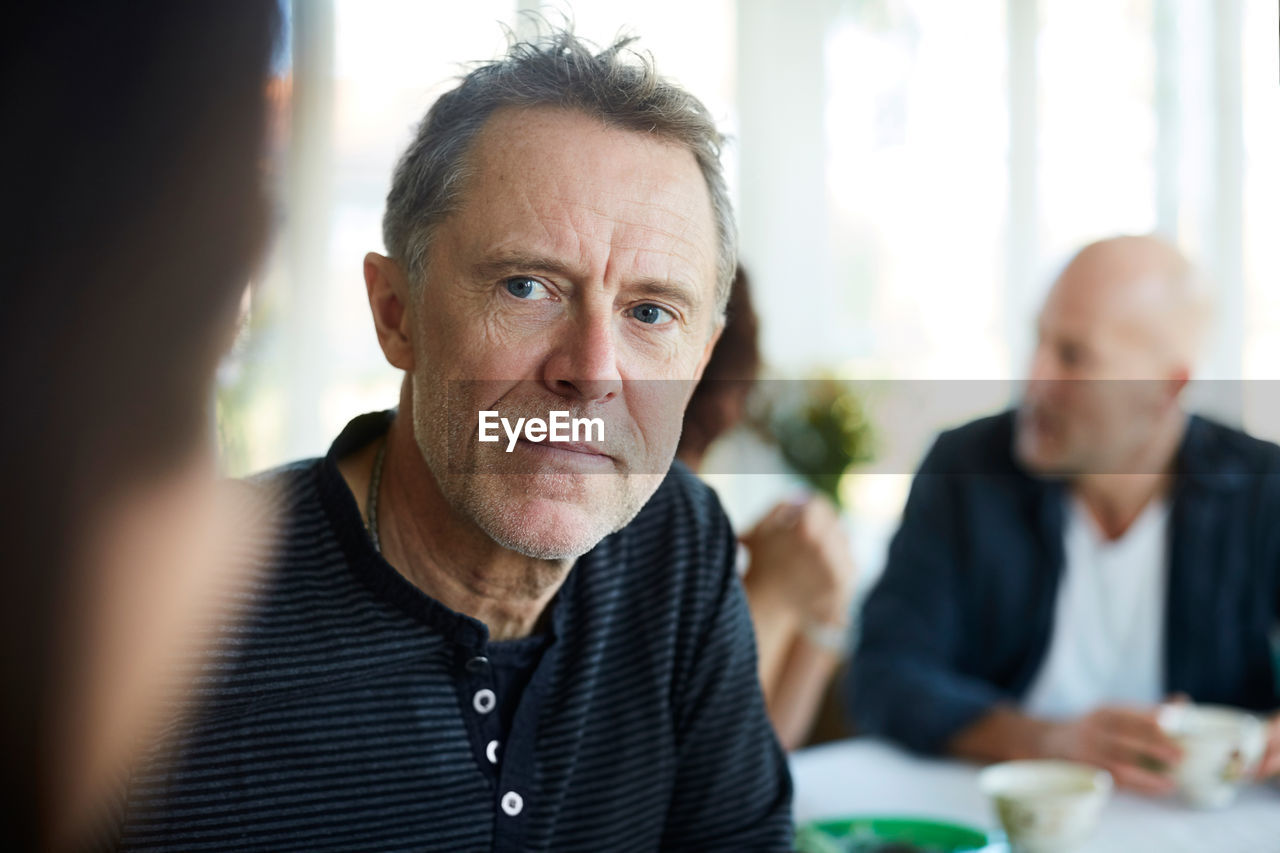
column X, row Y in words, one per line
column 371, row 502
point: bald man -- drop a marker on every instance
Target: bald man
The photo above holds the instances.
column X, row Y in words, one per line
column 1063, row 569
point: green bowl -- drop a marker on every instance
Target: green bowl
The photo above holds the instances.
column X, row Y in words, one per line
column 859, row 833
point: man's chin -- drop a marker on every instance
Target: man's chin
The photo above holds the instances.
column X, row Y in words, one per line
column 550, row 529
column 554, row 516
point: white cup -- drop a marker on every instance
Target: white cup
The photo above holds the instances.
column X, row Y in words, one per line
column 1046, row 806
column 1221, row 748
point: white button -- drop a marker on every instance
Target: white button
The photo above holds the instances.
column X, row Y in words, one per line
column 484, row 700
column 512, row 803
column 491, row 752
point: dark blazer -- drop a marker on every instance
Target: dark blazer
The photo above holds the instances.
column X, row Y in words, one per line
column 960, row 621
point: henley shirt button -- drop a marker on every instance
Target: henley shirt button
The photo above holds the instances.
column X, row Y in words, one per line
column 478, row 664
column 484, row 700
column 512, row 803
column 491, row 752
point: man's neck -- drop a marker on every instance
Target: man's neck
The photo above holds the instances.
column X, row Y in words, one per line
column 1117, row 499
column 444, row 554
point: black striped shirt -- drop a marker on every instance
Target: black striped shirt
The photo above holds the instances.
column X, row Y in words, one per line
column 344, row 711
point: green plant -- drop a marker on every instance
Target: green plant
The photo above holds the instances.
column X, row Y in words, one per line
column 819, row 426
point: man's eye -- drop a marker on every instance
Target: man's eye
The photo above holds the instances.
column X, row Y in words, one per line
column 651, row 314
column 523, row 287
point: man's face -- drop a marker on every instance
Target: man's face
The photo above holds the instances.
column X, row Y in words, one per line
column 578, row 275
column 1098, row 384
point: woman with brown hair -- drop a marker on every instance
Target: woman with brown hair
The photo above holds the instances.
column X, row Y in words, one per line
column 800, row 574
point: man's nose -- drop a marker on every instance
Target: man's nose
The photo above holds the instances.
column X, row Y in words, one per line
column 1044, row 366
column 584, row 364
column 1051, row 382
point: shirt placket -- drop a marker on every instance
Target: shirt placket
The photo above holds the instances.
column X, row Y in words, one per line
column 510, row 779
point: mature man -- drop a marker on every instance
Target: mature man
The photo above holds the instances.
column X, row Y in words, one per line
column 1063, row 569
column 510, row 645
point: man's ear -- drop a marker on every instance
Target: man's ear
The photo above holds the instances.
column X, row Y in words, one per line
column 388, row 289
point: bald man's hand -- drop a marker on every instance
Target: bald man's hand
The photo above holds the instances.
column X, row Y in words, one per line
column 1270, row 766
column 1126, row 742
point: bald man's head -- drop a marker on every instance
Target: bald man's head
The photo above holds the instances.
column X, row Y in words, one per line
column 1139, row 302
column 1118, row 338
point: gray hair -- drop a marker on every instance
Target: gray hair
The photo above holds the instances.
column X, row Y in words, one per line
column 557, row 70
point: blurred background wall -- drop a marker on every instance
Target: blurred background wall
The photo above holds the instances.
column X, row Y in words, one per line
column 908, row 174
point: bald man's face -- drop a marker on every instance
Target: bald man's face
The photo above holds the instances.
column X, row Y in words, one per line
column 1103, row 376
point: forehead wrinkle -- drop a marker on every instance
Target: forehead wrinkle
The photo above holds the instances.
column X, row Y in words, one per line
column 558, row 255
column 681, row 248
column 689, row 239
column 686, row 291
column 563, row 237
column 615, row 220
column 687, row 277
column 616, row 255
column 531, row 231
column 627, row 201
column 688, row 223
column 584, row 232
column 579, row 266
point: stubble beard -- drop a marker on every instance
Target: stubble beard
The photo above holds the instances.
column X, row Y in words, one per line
column 493, row 500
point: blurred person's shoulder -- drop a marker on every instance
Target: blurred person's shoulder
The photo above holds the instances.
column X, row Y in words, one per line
column 285, row 485
column 313, row 527
column 1228, row 454
column 982, row 446
column 288, row 528
column 316, row 481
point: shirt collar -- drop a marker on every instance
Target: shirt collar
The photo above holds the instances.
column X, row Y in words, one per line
column 1205, row 462
column 379, row 575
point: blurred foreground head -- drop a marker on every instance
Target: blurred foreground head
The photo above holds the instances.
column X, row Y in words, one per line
column 1118, row 338
column 133, row 216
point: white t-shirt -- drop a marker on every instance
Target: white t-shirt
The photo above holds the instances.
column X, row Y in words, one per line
column 1107, row 645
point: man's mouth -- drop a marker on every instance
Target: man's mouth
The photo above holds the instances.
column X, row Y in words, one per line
column 1039, row 419
column 575, row 452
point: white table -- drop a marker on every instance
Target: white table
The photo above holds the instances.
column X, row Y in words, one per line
column 862, row 776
